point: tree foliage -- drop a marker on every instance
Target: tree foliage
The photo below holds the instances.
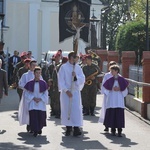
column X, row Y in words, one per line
column 131, row 37
column 138, row 9
column 113, row 15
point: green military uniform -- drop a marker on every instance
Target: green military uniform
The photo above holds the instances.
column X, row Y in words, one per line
column 18, row 66
column 20, row 72
column 56, row 92
column 89, row 91
column 53, row 91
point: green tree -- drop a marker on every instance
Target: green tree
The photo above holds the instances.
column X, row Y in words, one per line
column 138, row 9
column 113, row 15
column 131, row 37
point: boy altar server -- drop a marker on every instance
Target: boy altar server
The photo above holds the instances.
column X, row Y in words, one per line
column 36, row 95
column 115, row 91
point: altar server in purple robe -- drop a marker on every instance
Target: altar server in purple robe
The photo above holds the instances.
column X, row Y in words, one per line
column 115, row 89
column 23, row 107
column 36, row 95
column 103, row 109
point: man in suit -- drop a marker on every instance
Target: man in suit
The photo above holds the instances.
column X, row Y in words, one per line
column 13, row 60
column 3, row 82
column 20, row 64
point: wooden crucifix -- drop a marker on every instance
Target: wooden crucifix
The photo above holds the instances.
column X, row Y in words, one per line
column 76, row 25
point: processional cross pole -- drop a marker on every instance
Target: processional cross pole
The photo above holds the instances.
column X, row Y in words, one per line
column 76, row 24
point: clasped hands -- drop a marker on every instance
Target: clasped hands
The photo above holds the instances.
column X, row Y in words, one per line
column 37, row 99
column 116, row 88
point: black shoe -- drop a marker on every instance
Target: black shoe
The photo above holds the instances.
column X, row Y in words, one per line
column 106, row 129
column 67, row 133
column 86, row 114
column 35, row 134
column 119, row 132
column 31, row 132
column 92, row 114
column 68, row 130
column 28, row 128
column 119, row 135
column 57, row 116
column 113, row 131
column 40, row 132
column 77, row 132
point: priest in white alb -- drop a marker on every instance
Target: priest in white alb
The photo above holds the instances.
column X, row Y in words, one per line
column 71, row 81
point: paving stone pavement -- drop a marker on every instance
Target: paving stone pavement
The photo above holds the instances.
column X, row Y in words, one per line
column 136, row 135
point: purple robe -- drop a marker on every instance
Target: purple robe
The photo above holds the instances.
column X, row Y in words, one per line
column 123, row 83
column 30, row 86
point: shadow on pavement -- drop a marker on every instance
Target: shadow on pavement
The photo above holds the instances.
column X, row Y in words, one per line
column 2, row 131
column 11, row 146
column 122, row 141
column 81, row 143
column 29, row 139
column 15, row 116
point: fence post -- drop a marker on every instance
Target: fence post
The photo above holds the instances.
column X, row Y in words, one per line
column 103, row 57
column 128, row 58
column 146, row 78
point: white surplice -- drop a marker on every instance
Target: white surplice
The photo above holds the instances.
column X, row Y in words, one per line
column 27, row 103
column 112, row 99
column 103, row 109
column 115, row 99
column 41, row 105
column 65, row 82
column 23, row 115
column 26, row 77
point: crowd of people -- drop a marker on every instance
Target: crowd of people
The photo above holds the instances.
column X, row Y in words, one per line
column 70, row 85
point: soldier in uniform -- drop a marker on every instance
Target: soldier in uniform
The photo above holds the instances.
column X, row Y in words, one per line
column 82, row 61
column 82, row 64
column 90, row 88
column 20, row 72
column 18, row 66
column 3, row 82
column 53, row 91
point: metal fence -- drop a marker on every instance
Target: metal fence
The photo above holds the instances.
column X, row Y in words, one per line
column 105, row 67
column 135, row 73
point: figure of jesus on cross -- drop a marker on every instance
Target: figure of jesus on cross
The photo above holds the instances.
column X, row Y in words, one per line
column 77, row 25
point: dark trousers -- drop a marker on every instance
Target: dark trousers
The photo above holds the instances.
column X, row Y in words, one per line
column 89, row 97
column 19, row 91
column 37, row 120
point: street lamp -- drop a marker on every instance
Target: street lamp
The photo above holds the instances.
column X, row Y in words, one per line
column 94, row 43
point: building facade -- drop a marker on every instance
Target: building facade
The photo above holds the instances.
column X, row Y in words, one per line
column 34, row 25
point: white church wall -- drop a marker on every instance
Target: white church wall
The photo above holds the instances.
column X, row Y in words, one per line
column 18, row 32
column 34, row 25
